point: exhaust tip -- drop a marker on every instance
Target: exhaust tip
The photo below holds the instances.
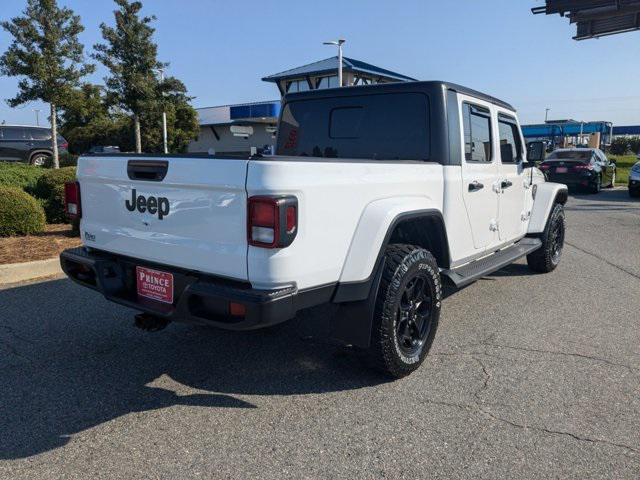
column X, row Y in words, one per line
column 150, row 323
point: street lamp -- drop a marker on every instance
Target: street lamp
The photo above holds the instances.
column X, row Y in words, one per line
column 339, row 44
column 546, row 114
column 37, row 110
column 164, row 116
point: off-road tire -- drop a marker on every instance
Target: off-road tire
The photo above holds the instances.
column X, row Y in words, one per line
column 404, row 264
column 547, row 257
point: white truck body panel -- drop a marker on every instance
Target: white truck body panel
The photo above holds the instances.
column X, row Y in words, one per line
column 335, row 201
column 205, row 229
column 546, row 193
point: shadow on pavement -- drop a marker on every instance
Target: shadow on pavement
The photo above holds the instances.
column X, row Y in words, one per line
column 618, row 195
column 70, row 361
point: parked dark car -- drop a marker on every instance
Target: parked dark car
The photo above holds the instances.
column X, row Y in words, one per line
column 587, row 168
column 28, row 144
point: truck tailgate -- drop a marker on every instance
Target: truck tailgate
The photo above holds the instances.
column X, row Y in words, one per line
column 194, row 217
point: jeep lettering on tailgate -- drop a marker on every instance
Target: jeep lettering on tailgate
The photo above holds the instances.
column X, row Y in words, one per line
column 153, row 205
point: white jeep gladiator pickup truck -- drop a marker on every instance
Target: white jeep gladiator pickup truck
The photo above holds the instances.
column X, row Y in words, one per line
column 376, row 195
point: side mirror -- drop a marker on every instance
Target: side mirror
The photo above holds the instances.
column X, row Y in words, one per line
column 535, row 152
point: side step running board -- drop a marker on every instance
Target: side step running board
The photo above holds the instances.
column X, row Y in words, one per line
column 470, row 272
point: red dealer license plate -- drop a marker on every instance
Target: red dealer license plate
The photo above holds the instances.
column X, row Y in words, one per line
column 154, row 284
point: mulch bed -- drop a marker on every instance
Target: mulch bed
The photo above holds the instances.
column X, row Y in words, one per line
column 42, row 246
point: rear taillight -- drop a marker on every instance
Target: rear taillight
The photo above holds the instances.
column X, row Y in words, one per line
column 581, row 167
column 544, row 167
column 64, row 145
column 72, row 200
column 272, row 222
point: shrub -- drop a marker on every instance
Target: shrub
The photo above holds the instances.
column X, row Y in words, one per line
column 20, row 213
column 20, row 175
column 619, row 146
column 50, row 189
column 634, row 144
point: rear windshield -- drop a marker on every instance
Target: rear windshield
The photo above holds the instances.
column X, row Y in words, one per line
column 581, row 155
column 380, row 127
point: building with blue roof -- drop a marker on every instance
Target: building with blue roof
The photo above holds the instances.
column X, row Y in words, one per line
column 238, row 128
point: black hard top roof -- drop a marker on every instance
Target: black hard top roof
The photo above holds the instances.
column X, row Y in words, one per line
column 422, row 86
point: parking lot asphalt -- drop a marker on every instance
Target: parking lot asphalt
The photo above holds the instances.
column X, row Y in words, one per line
column 530, row 376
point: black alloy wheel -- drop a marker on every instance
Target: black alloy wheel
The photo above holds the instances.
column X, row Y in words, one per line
column 413, row 322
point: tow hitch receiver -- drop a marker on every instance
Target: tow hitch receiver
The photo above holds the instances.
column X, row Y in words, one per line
column 150, row 323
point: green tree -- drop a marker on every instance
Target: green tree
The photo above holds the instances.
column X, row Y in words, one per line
column 131, row 56
column 47, row 54
column 88, row 120
column 182, row 119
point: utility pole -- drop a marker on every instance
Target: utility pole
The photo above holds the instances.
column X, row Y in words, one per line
column 164, row 116
column 339, row 44
column 37, row 110
column 546, row 114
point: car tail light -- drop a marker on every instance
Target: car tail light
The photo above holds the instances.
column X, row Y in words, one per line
column 582, row 167
column 272, row 222
column 64, row 145
column 544, row 167
column 237, row 309
column 72, row 200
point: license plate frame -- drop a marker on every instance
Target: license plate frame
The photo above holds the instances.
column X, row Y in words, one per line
column 562, row 169
column 154, row 284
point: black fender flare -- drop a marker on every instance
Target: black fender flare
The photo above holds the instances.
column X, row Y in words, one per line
column 353, row 321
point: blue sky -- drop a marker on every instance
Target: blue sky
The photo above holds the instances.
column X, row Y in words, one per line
column 221, row 49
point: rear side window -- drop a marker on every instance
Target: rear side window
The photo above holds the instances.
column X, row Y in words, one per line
column 391, row 126
column 477, row 133
column 13, row 133
column 40, row 134
column 510, row 144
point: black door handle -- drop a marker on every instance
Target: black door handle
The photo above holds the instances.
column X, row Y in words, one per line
column 151, row 170
column 506, row 184
column 475, row 185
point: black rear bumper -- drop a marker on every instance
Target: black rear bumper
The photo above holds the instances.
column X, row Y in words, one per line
column 571, row 179
column 198, row 298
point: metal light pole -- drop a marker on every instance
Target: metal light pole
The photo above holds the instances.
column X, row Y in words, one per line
column 164, row 117
column 37, row 110
column 339, row 44
column 546, row 114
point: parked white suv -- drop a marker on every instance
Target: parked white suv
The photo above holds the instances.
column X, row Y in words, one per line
column 376, row 196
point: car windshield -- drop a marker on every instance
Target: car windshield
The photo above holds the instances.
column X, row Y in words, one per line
column 580, row 155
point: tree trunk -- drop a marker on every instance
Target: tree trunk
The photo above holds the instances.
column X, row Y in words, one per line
column 136, row 124
column 54, row 137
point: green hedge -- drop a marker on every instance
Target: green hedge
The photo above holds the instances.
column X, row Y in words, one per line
column 20, row 213
column 20, row 175
column 50, row 189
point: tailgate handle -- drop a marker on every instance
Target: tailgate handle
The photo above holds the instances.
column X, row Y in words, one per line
column 150, row 170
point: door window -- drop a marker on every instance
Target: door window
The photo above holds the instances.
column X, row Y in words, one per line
column 13, row 133
column 477, row 133
column 510, row 144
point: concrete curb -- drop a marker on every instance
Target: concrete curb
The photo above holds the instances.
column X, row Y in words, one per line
column 22, row 272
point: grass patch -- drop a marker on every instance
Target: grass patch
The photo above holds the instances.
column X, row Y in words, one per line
column 623, row 167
